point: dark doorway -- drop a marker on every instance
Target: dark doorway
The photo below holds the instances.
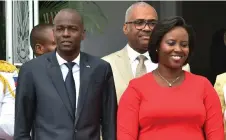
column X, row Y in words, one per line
column 2, row 31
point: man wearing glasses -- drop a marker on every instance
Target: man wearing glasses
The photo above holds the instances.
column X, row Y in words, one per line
column 133, row 60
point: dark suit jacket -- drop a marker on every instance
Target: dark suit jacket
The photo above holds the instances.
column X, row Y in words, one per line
column 43, row 103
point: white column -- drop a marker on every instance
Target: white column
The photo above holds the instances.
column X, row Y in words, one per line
column 36, row 13
column 9, row 27
column 22, row 18
column 30, row 4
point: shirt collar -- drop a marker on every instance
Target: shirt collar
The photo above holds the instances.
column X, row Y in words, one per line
column 61, row 61
column 134, row 54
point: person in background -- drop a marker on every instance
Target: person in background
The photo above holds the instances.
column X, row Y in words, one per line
column 8, row 82
column 217, row 55
column 42, row 39
column 133, row 60
column 220, row 87
column 170, row 103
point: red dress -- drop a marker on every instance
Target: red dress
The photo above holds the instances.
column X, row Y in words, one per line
column 191, row 111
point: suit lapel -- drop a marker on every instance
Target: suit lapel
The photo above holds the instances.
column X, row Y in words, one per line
column 123, row 65
column 55, row 74
column 85, row 71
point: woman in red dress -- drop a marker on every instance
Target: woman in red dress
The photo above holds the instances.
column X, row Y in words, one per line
column 169, row 103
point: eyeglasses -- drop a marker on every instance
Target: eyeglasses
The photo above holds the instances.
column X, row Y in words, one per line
column 141, row 23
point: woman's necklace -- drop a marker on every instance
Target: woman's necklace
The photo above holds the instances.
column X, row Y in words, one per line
column 169, row 83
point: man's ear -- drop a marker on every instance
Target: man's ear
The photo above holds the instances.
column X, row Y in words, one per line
column 39, row 49
column 83, row 34
column 125, row 29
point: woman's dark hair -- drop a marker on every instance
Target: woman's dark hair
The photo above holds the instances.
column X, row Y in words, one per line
column 163, row 27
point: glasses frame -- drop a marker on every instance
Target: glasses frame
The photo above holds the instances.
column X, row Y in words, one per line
column 147, row 22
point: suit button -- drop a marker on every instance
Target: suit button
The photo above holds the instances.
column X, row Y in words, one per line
column 76, row 130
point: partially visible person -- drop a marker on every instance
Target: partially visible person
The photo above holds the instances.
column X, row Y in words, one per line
column 42, row 39
column 66, row 94
column 217, row 55
column 220, row 87
column 133, row 60
column 8, row 81
column 170, row 103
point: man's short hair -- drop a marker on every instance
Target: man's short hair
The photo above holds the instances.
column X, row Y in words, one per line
column 37, row 36
column 130, row 9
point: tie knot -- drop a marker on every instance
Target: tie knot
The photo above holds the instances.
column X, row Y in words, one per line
column 70, row 65
column 141, row 58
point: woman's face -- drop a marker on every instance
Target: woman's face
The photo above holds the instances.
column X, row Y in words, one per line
column 174, row 48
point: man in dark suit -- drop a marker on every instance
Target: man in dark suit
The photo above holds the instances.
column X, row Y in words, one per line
column 66, row 94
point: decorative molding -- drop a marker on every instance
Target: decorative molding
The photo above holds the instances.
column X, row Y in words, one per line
column 21, row 46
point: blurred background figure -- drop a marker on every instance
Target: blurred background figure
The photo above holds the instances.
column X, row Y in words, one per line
column 8, row 82
column 42, row 39
column 217, row 55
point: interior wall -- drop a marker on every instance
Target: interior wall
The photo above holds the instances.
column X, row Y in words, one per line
column 112, row 39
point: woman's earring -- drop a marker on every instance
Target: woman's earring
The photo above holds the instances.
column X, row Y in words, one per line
column 156, row 50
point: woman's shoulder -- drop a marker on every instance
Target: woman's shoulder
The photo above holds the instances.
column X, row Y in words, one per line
column 197, row 79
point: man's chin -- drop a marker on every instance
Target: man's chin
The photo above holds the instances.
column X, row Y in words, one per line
column 66, row 49
column 144, row 46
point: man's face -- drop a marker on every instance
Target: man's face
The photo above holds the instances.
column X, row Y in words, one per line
column 47, row 44
column 138, row 28
column 68, row 32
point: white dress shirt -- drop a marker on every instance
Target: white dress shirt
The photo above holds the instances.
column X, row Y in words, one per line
column 7, row 107
column 150, row 66
column 75, row 70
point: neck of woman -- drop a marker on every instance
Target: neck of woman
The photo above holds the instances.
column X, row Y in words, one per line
column 169, row 73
